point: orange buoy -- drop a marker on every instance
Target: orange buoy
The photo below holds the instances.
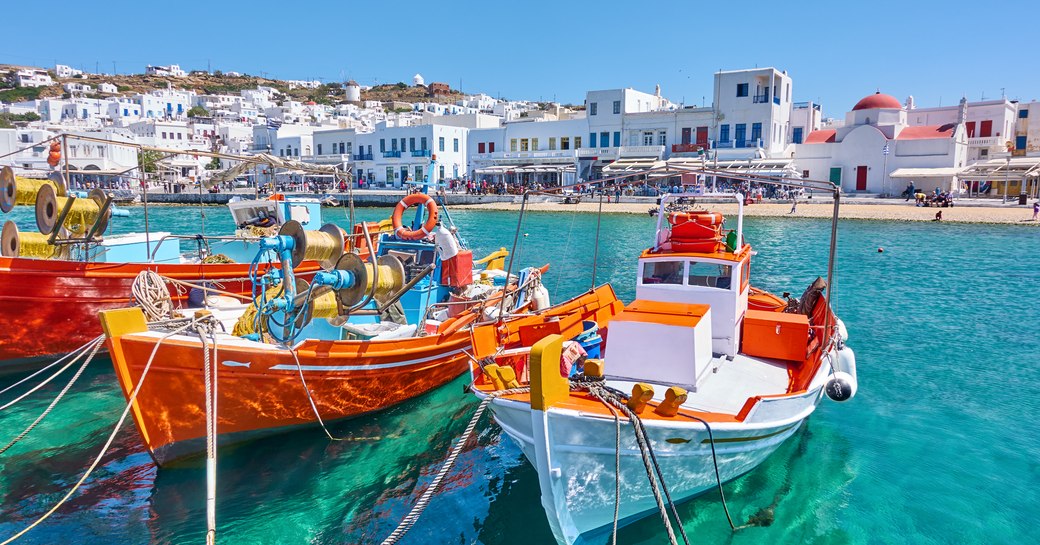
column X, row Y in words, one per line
column 427, row 226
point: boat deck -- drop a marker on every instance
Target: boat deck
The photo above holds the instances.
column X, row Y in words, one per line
column 726, row 388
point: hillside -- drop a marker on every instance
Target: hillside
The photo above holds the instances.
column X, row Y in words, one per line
column 217, row 83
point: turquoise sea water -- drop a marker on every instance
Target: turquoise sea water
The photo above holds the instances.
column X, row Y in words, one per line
column 940, row 445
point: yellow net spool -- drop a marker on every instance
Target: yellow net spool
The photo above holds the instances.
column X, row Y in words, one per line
column 33, row 245
column 390, row 272
column 16, row 190
column 82, row 214
column 323, row 303
column 324, row 245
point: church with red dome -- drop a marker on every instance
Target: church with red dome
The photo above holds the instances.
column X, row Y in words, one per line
column 876, row 150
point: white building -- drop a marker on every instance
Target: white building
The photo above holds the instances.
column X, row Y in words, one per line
column 1027, row 129
column 806, row 117
column 32, row 77
column 63, row 71
column 107, row 88
column 418, row 80
column 171, row 70
column 878, row 151
column 78, row 88
column 393, row 155
column 990, row 124
column 303, row 84
column 752, row 111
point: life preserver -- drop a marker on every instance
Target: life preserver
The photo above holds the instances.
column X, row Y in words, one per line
column 427, row 227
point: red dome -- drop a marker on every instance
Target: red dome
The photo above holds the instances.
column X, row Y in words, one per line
column 877, row 100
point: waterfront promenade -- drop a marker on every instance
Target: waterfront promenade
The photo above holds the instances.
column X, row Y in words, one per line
column 989, row 210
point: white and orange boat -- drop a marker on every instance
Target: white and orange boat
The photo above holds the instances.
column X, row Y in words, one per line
column 308, row 354
column 717, row 373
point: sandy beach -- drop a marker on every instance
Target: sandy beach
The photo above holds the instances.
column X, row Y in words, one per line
column 1019, row 215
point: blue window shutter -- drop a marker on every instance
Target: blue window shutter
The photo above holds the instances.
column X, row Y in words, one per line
column 1020, row 142
column 617, row 139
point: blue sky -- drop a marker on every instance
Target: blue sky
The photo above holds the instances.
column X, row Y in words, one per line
column 837, row 52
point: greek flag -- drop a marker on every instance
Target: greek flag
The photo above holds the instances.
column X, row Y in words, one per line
column 274, row 124
column 884, row 150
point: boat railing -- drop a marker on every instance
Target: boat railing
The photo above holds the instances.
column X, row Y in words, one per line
column 205, row 239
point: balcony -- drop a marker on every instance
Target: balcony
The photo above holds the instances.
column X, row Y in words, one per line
column 612, row 153
column 363, row 157
column 760, row 99
column 986, row 142
column 420, row 153
column 392, row 153
column 689, row 148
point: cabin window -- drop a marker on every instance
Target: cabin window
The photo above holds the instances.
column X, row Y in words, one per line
column 663, row 272
column 745, row 275
column 711, row 275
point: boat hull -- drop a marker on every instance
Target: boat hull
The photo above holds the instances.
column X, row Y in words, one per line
column 260, row 391
column 574, row 455
column 259, row 387
column 49, row 307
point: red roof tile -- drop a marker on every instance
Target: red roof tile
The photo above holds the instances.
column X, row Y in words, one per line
column 927, row 131
column 821, row 137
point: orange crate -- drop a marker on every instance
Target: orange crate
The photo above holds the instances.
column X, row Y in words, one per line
column 776, row 335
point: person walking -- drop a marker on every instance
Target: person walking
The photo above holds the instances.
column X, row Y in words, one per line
column 794, row 203
column 1036, row 210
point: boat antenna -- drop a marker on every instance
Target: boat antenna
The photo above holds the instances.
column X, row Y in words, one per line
column 512, row 255
column 595, row 248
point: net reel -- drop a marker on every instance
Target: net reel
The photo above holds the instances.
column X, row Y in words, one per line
column 15, row 190
column 79, row 216
column 34, row 245
column 337, row 292
column 324, row 245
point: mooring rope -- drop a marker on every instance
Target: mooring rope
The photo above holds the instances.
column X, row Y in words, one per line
column 52, row 364
column 80, row 352
column 61, row 394
column 314, row 407
column 108, row 443
column 210, row 383
column 152, row 295
column 606, row 398
column 424, row 500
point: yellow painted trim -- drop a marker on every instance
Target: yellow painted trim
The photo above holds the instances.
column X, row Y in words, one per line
column 122, row 321
column 548, row 386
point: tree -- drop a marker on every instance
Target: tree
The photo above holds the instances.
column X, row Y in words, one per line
column 149, row 160
column 198, row 111
column 213, row 164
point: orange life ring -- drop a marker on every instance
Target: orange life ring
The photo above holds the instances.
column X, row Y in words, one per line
column 427, row 227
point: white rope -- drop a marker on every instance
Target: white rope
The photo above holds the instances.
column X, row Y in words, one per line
column 58, row 398
column 314, row 407
column 108, row 443
column 424, row 500
column 79, row 355
column 150, row 293
column 52, row 364
column 210, row 381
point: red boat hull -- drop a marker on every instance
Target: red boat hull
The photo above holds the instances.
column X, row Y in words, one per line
column 49, row 307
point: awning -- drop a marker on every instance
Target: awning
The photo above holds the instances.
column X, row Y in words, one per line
column 622, row 165
column 1017, row 169
column 937, row 172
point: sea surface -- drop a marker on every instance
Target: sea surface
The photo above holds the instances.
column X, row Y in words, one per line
column 941, row 444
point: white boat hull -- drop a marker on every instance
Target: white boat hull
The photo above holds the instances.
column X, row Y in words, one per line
column 574, row 455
